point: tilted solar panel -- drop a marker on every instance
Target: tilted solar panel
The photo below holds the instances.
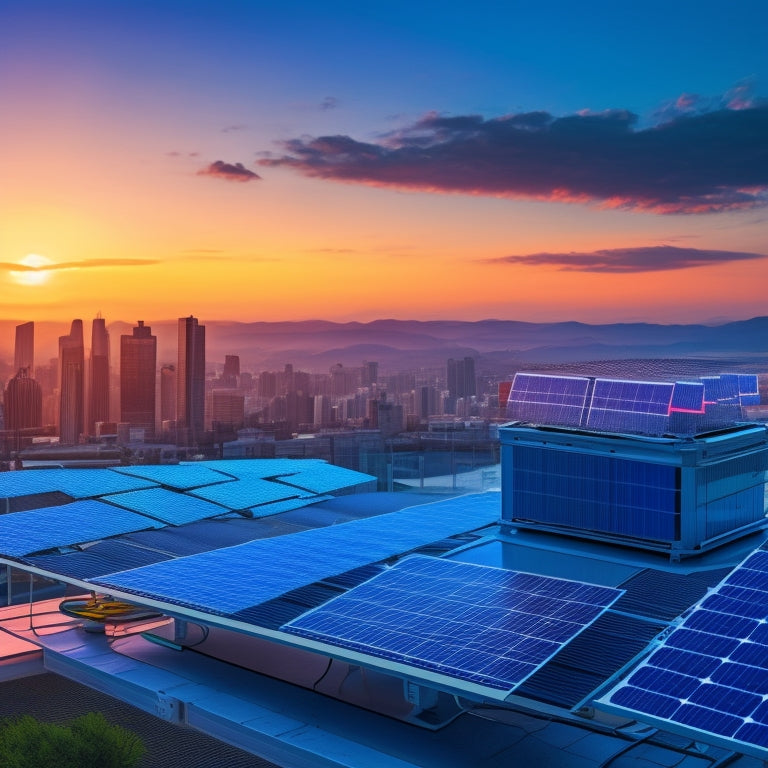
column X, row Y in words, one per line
column 709, row 678
column 22, row 533
column 640, row 407
column 167, row 506
column 324, row 478
column 486, row 626
column 180, row 476
column 246, row 493
column 688, row 397
column 546, row 399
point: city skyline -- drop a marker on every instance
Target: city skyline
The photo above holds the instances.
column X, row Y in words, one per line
column 244, row 162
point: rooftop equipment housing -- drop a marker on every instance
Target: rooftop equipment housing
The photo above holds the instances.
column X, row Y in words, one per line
column 642, row 487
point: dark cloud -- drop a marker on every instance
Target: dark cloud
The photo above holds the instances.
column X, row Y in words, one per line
column 228, row 171
column 84, row 264
column 693, row 163
column 329, row 102
column 645, row 259
column 234, row 128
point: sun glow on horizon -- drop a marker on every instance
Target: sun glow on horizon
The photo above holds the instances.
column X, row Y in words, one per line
column 36, row 274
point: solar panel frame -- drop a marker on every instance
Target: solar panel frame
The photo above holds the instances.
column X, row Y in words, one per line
column 484, row 626
column 709, row 676
column 687, row 397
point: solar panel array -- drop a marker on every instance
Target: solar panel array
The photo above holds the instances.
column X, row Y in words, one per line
column 630, row 406
column 487, row 626
column 710, row 675
column 22, row 533
column 77, row 483
column 634, row 407
column 544, row 399
column 230, row 579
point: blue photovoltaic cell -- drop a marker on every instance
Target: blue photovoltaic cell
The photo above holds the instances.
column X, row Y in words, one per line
column 180, row 476
column 630, row 406
column 710, row 676
column 77, row 483
column 543, row 399
column 230, row 579
column 168, row 506
column 246, row 493
column 324, row 478
column 275, row 507
column 22, row 533
column 688, row 396
column 749, row 394
column 721, row 389
column 488, row 626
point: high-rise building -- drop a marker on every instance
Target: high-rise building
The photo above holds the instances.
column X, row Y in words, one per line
column 98, row 379
column 23, row 402
column 231, row 372
column 24, row 350
column 168, row 392
column 190, row 380
column 71, row 376
column 461, row 378
column 138, row 360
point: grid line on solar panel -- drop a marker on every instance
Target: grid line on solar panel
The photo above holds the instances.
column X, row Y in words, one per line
column 22, row 533
column 167, row 506
column 482, row 625
column 231, row 579
column 630, row 406
column 711, row 672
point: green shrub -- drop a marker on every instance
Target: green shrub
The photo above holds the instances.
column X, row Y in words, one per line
column 87, row 742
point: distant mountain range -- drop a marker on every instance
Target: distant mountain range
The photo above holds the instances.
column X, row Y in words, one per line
column 497, row 345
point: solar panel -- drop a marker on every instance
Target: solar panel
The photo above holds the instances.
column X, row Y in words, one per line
column 324, row 478
column 180, row 476
column 630, row 406
column 721, row 389
column 22, row 533
column 246, row 493
column 233, row 578
column 545, row 399
column 688, row 397
column 275, row 507
column 246, row 468
column 749, row 393
column 487, row 626
column 710, row 675
column 167, row 506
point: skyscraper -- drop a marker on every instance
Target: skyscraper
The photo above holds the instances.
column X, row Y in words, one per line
column 168, row 392
column 24, row 351
column 23, row 402
column 138, row 362
column 461, row 377
column 190, row 379
column 98, row 379
column 71, row 374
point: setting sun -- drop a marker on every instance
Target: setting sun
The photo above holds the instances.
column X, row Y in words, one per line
column 35, row 274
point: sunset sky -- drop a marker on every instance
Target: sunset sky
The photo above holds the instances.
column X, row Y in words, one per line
column 594, row 161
